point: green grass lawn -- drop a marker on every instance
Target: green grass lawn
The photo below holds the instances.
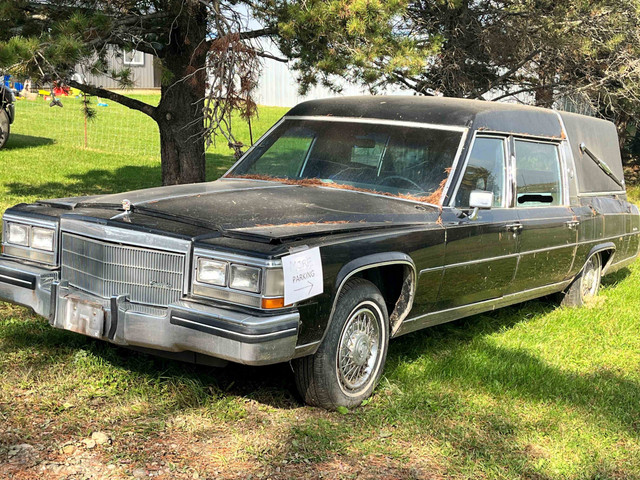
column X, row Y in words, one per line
column 531, row 391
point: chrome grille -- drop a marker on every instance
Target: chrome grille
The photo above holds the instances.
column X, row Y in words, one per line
column 149, row 277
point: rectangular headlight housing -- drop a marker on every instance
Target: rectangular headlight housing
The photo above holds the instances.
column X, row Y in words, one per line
column 212, row 272
column 249, row 281
column 42, row 238
column 18, row 234
column 245, row 278
column 30, row 238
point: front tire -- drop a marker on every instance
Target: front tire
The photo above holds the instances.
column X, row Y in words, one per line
column 586, row 284
column 348, row 364
column 5, row 127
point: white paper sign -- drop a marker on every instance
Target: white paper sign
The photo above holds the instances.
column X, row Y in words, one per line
column 302, row 275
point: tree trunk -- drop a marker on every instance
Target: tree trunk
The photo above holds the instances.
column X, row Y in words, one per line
column 180, row 114
column 181, row 135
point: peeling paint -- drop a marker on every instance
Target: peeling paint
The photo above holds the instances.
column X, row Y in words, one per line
column 433, row 198
column 305, row 224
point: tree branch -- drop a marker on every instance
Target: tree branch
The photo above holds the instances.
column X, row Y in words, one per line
column 262, row 32
column 129, row 102
column 272, row 57
column 506, row 75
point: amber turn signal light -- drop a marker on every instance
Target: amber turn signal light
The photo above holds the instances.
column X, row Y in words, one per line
column 273, row 302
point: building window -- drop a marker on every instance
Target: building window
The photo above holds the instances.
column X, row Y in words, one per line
column 133, row 57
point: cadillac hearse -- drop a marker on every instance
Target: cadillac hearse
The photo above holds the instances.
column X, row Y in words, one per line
column 351, row 222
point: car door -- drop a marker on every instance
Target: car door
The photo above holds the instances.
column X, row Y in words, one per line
column 548, row 232
column 480, row 254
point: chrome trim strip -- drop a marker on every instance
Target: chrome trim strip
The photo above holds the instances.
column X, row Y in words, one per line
column 377, row 121
column 243, row 335
column 528, row 252
column 14, row 279
column 30, row 254
column 30, row 221
column 432, row 269
column 236, row 258
column 450, row 314
column 600, row 194
column 124, row 236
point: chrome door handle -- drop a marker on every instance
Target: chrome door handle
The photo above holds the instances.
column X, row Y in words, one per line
column 514, row 227
column 572, row 224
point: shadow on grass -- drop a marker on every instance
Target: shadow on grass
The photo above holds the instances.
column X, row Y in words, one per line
column 104, row 181
column 616, row 277
column 271, row 385
column 17, row 140
column 441, row 372
column 438, row 371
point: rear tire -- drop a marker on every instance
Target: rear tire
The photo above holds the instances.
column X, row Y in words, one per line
column 585, row 286
column 349, row 362
column 5, row 127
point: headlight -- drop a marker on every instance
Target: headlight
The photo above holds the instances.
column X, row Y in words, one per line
column 238, row 279
column 212, row 272
column 18, row 234
column 28, row 238
column 245, row 278
column 42, row 238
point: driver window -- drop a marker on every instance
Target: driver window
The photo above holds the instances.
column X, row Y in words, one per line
column 485, row 171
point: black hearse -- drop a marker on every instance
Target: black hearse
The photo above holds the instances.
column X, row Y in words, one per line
column 351, row 222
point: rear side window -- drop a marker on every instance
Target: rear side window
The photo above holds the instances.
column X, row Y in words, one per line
column 538, row 178
column 485, row 170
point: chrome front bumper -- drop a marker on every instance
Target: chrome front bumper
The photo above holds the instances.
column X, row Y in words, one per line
column 182, row 327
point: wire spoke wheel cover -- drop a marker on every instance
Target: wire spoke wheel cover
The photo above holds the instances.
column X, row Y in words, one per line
column 359, row 348
column 591, row 277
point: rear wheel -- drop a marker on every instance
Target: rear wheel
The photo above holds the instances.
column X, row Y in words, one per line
column 348, row 364
column 586, row 284
column 5, row 127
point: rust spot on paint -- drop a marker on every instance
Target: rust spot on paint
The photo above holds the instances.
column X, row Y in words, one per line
column 303, row 224
column 433, row 198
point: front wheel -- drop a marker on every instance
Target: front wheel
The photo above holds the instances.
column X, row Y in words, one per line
column 348, row 364
column 586, row 284
column 5, row 127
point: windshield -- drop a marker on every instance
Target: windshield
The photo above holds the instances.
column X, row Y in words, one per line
column 388, row 159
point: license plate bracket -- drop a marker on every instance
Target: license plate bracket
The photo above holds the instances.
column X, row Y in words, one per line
column 84, row 316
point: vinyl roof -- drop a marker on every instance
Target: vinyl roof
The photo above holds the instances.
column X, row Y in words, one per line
column 477, row 114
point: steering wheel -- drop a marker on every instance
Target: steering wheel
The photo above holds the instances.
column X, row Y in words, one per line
column 400, row 177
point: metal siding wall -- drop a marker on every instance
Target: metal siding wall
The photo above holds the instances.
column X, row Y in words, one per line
column 143, row 75
column 278, row 87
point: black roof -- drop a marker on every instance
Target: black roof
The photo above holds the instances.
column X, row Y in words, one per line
column 477, row 114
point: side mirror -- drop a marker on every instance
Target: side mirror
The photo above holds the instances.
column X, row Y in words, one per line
column 479, row 199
